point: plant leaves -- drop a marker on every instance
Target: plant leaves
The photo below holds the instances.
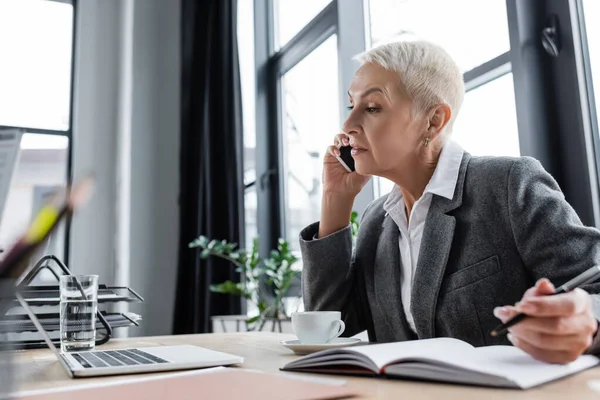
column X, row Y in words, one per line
column 230, row 287
column 276, row 271
column 200, row 241
column 262, row 306
column 205, row 253
column 354, row 224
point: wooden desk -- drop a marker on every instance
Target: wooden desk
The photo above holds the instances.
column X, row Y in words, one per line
column 262, row 351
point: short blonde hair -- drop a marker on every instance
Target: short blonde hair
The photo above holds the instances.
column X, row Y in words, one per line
column 426, row 71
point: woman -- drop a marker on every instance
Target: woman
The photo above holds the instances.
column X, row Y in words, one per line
column 460, row 239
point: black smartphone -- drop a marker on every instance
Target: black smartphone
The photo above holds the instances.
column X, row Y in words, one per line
column 345, row 158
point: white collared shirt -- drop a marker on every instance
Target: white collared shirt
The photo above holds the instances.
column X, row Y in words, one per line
column 442, row 183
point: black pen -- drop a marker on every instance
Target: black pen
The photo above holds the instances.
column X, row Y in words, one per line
column 590, row 275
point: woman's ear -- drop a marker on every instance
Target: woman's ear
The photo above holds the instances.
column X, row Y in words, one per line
column 438, row 119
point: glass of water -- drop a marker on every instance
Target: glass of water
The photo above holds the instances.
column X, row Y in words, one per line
column 78, row 306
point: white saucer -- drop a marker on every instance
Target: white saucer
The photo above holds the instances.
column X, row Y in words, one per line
column 300, row 348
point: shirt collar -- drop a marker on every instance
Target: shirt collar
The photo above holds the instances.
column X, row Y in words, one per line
column 444, row 178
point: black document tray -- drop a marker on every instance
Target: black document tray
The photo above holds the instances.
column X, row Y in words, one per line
column 49, row 295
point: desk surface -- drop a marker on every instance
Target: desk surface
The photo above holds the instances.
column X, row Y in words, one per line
column 39, row 369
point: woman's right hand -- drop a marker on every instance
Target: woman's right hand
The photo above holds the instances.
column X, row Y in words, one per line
column 336, row 179
column 340, row 187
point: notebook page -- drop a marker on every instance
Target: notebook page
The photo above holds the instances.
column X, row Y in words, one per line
column 521, row 368
column 445, row 374
column 387, row 353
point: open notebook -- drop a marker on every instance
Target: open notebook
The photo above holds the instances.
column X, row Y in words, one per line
column 442, row 359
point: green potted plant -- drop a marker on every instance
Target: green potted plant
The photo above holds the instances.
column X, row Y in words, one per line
column 354, row 223
column 276, row 272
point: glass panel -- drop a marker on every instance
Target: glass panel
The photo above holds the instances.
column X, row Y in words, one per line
column 472, row 128
column 40, row 169
column 245, row 36
column 591, row 12
column 35, row 72
column 310, row 121
column 472, row 31
column 293, row 15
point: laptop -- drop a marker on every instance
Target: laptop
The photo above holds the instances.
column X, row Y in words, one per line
column 96, row 362
column 131, row 361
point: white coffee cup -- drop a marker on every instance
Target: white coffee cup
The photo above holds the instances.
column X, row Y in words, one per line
column 317, row 327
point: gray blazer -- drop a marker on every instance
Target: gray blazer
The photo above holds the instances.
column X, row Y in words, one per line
column 507, row 226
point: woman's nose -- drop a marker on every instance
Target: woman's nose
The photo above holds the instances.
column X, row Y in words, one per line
column 350, row 127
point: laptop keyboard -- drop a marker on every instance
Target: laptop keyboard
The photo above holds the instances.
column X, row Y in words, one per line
column 116, row 358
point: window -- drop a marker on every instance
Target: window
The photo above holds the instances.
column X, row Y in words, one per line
column 482, row 56
column 298, row 107
column 310, row 121
column 35, row 73
column 293, row 15
column 36, row 42
column 506, row 68
column 591, row 11
column 473, row 129
column 41, row 168
column 451, row 24
column 245, row 36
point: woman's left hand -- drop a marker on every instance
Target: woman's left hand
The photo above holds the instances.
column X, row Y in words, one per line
column 559, row 328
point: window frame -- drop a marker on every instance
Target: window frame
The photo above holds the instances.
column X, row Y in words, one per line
column 554, row 119
column 271, row 66
column 551, row 102
column 66, row 133
column 588, row 101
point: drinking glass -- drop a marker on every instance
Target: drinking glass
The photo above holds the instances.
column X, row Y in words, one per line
column 78, row 306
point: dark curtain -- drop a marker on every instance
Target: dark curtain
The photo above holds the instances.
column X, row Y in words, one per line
column 211, row 159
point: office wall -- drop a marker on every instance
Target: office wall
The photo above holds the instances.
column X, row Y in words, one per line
column 144, row 114
column 92, row 248
column 155, row 160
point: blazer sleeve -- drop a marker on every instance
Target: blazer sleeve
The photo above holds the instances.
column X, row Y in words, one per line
column 551, row 240
column 329, row 278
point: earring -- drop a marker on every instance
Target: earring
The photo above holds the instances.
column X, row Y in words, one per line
column 426, row 143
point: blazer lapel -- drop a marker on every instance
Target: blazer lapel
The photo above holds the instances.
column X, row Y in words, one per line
column 436, row 243
column 387, row 279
